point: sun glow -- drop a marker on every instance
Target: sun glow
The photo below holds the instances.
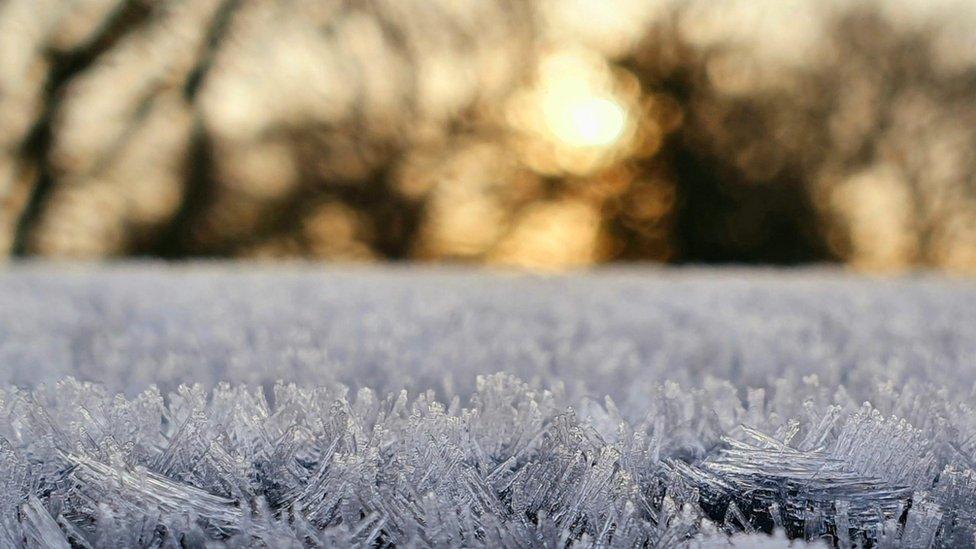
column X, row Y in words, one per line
column 574, row 117
column 582, row 120
column 576, row 103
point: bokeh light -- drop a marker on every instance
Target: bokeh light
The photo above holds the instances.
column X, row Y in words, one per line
column 575, row 109
column 584, row 121
column 574, row 117
column 537, row 133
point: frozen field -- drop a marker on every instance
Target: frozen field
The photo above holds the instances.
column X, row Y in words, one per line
column 809, row 403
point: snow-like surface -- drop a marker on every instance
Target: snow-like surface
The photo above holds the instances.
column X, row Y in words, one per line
column 609, row 332
column 792, row 401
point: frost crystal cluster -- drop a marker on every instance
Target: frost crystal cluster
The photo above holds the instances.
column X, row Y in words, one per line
column 640, row 408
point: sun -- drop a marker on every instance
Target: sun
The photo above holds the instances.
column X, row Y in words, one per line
column 573, row 118
column 585, row 121
column 577, row 109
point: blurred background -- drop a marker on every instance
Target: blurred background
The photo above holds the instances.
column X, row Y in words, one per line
column 545, row 134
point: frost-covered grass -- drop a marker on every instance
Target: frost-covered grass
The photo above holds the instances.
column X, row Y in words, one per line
column 449, row 408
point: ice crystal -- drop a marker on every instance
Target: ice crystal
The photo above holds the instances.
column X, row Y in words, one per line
column 516, row 466
column 602, row 440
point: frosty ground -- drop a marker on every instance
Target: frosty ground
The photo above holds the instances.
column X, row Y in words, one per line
column 150, row 405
